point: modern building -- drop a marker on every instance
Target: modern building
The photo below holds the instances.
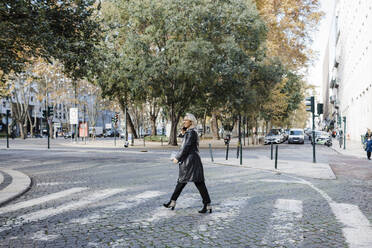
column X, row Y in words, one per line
column 348, row 77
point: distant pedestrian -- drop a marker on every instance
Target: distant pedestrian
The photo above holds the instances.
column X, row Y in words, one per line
column 369, row 148
column 368, row 134
column 341, row 138
column 190, row 165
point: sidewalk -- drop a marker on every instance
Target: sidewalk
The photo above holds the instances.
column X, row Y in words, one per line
column 353, row 148
column 12, row 184
column 299, row 168
column 138, row 143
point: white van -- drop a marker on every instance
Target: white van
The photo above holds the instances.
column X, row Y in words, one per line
column 296, row 136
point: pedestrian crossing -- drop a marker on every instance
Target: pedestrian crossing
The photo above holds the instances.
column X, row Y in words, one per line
column 284, row 225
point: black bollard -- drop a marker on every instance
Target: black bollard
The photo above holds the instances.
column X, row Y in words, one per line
column 210, row 151
column 276, row 157
column 272, row 148
column 227, row 151
column 161, row 140
column 241, row 154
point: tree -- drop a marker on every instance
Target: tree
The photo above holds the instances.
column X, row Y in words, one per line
column 65, row 30
column 20, row 100
column 176, row 57
column 290, row 24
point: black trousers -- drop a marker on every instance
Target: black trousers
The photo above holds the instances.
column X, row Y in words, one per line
column 368, row 155
column 201, row 187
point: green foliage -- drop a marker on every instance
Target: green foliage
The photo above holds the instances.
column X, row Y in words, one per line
column 65, row 30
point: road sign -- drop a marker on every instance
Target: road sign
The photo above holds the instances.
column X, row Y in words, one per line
column 74, row 116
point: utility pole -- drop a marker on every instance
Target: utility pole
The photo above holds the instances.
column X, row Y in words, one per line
column 7, row 128
column 344, row 119
column 310, row 107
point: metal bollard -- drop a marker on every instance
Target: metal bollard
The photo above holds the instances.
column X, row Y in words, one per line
column 161, row 140
column 227, row 151
column 276, row 157
column 241, row 154
column 272, row 148
column 144, row 144
column 210, row 151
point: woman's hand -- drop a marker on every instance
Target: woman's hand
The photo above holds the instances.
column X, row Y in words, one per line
column 175, row 161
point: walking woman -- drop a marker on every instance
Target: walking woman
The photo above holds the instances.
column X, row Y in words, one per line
column 190, row 165
column 369, row 147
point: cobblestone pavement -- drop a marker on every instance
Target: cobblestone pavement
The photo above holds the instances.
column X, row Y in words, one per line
column 111, row 198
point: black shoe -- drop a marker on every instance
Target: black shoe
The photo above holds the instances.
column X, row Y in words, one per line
column 369, row 158
column 206, row 208
column 171, row 204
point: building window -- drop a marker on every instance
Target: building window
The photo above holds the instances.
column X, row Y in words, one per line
column 32, row 98
column 4, row 104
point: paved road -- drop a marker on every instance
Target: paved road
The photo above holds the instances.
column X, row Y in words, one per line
column 106, row 197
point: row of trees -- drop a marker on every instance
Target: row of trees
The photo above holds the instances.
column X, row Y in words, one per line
column 222, row 58
column 214, row 58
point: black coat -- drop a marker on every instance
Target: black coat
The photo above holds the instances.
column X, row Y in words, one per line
column 190, row 165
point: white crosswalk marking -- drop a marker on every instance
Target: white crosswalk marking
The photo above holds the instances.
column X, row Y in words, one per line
column 224, row 213
column 285, row 229
column 45, row 213
column 40, row 200
column 184, row 201
column 357, row 230
column 128, row 203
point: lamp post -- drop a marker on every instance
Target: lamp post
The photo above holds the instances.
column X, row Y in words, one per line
column 7, row 127
column 344, row 120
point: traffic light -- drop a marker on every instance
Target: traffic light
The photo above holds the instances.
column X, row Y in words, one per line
column 116, row 118
column 44, row 114
column 310, row 104
column 319, row 108
column 112, row 120
column 50, row 111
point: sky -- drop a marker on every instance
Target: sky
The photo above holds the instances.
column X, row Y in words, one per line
column 319, row 45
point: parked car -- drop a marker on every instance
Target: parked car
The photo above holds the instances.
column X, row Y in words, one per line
column 69, row 135
column 322, row 137
column 296, row 136
column 274, row 136
column 111, row 133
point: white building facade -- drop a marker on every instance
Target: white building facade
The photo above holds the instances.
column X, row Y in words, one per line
column 348, row 77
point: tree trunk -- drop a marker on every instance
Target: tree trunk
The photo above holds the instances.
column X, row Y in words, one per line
column 205, row 123
column 122, row 104
column 214, row 126
column 153, row 125
column 174, row 122
column 31, row 125
column 131, row 126
column 21, row 130
column 51, row 131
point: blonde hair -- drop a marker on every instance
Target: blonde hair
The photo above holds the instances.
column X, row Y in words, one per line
column 191, row 118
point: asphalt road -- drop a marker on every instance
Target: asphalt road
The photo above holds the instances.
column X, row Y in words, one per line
column 105, row 197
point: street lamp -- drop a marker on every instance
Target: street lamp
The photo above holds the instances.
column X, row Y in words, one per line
column 344, row 120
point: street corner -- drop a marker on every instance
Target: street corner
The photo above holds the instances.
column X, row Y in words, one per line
column 12, row 184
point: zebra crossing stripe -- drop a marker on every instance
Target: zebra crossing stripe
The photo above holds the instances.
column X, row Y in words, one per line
column 45, row 213
column 185, row 201
column 357, row 230
column 285, row 229
column 129, row 203
column 40, row 200
column 224, row 213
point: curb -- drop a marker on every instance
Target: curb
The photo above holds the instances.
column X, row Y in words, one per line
column 20, row 184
